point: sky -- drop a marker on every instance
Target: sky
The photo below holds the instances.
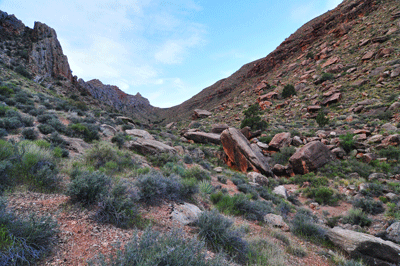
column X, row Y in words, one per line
column 168, row 51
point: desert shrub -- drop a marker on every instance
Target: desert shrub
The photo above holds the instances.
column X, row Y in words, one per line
column 103, row 156
column 321, row 119
column 118, row 207
column 253, row 119
column 369, row 206
column 56, row 140
column 88, row 132
column 154, row 248
column 22, row 71
column 322, row 195
column 10, row 123
column 357, row 217
column 373, row 190
column 342, row 168
column 311, row 178
column 197, row 173
column 296, row 251
column 120, row 139
column 390, row 152
column 325, row 77
column 266, row 194
column 3, row 109
column 24, row 241
column 347, row 142
column 154, row 187
column 288, row 91
column 304, row 225
column 173, row 168
column 60, row 152
column 216, row 230
column 264, row 253
column 46, row 129
column 239, row 204
column 29, row 133
column 44, row 118
column 205, row 187
column 159, row 160
column 6, row 91
column 3, row 132
column 89, row 187
column 333, row 221
column 393, row 210
column 282, row 157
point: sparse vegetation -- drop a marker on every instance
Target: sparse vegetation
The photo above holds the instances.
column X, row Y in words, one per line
column 252, row 118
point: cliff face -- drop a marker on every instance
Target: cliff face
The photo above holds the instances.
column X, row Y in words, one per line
column 46, row 57
column 39, row 52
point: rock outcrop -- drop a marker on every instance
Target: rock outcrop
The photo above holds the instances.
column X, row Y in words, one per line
column 310, row 157
column 372, row 250
column 203, row 137
column 148, row 146
column 47, row 57
column 240, row 154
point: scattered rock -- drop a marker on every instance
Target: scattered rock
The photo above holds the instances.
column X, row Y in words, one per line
column 296, row 141
column 339, row 152
column 185, row 213
column 202, row 137
column 280, row 140
column 240, row 155
column 392, row 140
column 372, row 250
column 198, row 114
column 258, row 178
column 393, row 232
column 139, row 133
column 388, row 127
column 280, row 190
column 108, row 130
column 333, row 99
column 311, row 157
column 276, row 221
column 375, row 176
column 148, row 146
column 218, row 128
column 368, row 55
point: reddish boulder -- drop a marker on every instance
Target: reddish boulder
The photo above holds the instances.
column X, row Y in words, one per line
column 280, row 140
column 333, row 99
column 311, row 157
column 392, row 140
column 240, row 155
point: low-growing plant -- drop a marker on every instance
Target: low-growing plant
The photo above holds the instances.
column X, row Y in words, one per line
column 322, row 195
column 196, row 172
column 154, row 248
column 304, row 225
column 89, row 187
column 369, row 206
column 253, row 119
column 30, row 134
column 357, row 217
column 288, row 91
column 216, row 230
column 24, row 241
column 321, row 119
column 205, row 187
column 264, row 253
column 347, row 142
column 282, row 157
column 159, row 160
column 46, row 129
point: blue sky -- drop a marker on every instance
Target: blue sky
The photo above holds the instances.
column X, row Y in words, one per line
column 167, row 51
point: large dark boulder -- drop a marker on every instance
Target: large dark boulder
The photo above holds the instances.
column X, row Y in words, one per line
column 372, row 250
column 311, row 157
column 240, row 154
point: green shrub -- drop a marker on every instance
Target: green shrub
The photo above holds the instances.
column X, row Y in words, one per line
column 172, row 168
column 88, row 132
column 347, row 142
column 24, row 241
column 159, row 160
column 282, row 157
column 22, row 71
column 205, row 187
column 6, row 91
column 369, row 206
column 322, row 195
column 288, row 91
column 89, row 187
column 314, row 181
column 118, row 207
column 46, row 129
column 239, row 204
column 321, row 119
column 324, row 77
column 373, row 190
column 304, row 225
column 253, row 119
column 357, row 217
column 264, row 253
column 154, row 187
column 29, row 133
column 390, row 152
column 197, row 173
column 343, row 168
column 216, row 230
column 154, row 248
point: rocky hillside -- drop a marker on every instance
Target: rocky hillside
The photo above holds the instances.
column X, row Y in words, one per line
column 297, row 162
column 37, row 54
column 355, row 44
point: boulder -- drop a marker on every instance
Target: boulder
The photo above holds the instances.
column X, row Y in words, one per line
column 339, row 152
column 389, row 127
column 372, row 250
column 198, row 113
column 218, row 128
column 139, row 133
column 392, row 140
column 149, row 146
column 368, row 55
column 108, row 130
column 375, row 139
column 332, row 99
column 296, row 141
column 203, row 137
column 76, row 145
column 258, row 178
column 311, row 157
column 276, row 221
column 395, row 106
column 280, row 190
column 393, row 232
column 185, row 213
column 240, row 155
column 280, row 140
